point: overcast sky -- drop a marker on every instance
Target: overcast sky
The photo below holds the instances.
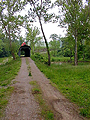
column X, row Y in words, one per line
column 49, row 28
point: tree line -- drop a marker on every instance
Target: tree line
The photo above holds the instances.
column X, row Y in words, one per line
column 73, row 14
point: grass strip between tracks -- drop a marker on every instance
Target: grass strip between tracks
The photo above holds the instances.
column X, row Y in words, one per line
column 46, row 112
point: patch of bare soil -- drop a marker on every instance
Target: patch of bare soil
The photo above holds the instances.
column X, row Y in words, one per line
column 63, row 108
column 22, row 105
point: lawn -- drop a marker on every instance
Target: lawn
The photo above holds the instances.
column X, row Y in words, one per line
column 8, row 71
column 62, row 59
column 5, row 59
column 1, row 59
column 72, row 81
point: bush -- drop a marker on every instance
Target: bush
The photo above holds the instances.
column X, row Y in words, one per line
column 39, row 57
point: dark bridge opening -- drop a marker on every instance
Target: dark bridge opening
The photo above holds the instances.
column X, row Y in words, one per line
column 25, row 49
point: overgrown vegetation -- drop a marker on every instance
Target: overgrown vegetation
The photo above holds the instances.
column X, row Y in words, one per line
column 4, row 60
column 43, row 58
column 46, row 113
column 40, row 57
column 8, row 71
column 72, row 81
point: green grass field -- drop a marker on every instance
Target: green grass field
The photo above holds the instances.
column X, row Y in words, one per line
column 5, row 59
column 58, row 59
column 8, row 71
column 1, row 59
column 72, row 81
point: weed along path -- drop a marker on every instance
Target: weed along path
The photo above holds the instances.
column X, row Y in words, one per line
column 23, row 105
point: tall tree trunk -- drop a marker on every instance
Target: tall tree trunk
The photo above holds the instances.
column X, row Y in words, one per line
column 76, row 59
column 8, row 34
column 12, row 53
column 33, row 50
column 70, row 55
column 39, row 17
column 49, row 62
column 14, row 58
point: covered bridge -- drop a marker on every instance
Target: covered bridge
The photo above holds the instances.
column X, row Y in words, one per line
column 26, row 49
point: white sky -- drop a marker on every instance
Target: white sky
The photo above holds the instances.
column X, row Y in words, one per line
column 49, row 28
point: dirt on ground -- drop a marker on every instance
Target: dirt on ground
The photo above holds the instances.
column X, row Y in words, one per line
column 22, row 105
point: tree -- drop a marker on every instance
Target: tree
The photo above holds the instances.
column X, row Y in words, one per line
column 9, row 21
column 68, row 46
column 72, row 18
column 21, row 40
column 40, row 45
column 54, row 36
column 4, row 49
column 1, row 46
column 54, row 43
column 40, row 9
column 32, row 36
column 88, row 7
column 1, row 42
column 77, row 22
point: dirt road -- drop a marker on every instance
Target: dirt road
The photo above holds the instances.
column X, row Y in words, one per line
column 22, row 105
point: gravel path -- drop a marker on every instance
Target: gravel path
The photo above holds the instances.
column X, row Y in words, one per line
column 22, row 105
